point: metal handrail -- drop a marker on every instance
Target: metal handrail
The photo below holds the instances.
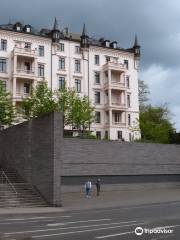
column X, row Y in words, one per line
column 3, row 175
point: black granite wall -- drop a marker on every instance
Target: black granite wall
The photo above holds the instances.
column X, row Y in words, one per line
column 33, row 150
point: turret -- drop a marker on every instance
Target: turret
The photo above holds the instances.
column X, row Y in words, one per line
column 55, row 32
column 137, row 52
column 84, row 38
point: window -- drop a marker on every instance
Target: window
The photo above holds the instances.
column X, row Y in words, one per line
column 96, row 59
column 28, row 29
column 97, row 97
column 27, row 45
column 128, row 101
column 3, row 65
column 27, row 67
column 4, row 86
column 129, row 119
column 107, row 43
column 3, row 44
column 98, row 134
column 18, row 28
column 130, row 137
column 41, row 70
column 61, row 63
column 26, row 88
column 97, row 77
column 61, row 82
column 115, row 59
column 61, row 47
column 114, row 44
column 78, row 85
column 126, row 63
column 77, row 65
column 108, row 59
column 41, row 51
column 117, row 117
column 97, row 117
column 77, row 49
column 127, row 82
column 106, row 135
column 119, row 134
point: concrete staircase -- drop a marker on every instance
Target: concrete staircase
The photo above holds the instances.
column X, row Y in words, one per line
column 20, row 193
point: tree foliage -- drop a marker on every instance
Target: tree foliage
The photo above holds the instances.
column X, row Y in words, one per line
column 78, row 112
column 40, row 103
column 143, row 92
column 155, row 124
column 6, row 107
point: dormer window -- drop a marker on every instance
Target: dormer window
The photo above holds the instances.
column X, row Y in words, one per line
column 137, row 51
column 114, row 44
column 27, row 28
column 56, row 36
column 107, row 43
column 18, row 26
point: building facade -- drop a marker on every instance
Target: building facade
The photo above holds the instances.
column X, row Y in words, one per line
column 97, row 68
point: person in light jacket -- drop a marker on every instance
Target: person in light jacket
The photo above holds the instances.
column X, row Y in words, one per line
column 88, row 186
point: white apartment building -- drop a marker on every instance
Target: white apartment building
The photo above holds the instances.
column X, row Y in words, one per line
column 98, row 68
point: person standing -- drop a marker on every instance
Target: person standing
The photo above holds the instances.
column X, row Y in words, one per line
column 98, row 186
column 88, row 186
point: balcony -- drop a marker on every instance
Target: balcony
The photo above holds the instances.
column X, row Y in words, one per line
column 115, row 106
column 115, row 85
column 119, row 124
column 20, row 95
column 25, row 74
column 114, row 66
column 24, row 52
column 118, row 105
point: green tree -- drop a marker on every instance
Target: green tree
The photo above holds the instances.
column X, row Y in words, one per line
column 7, row 114
column 78, row 112
column 143, row 92
column 83, row 113
column 155, row 124
column 40, row 103
column 175, row 138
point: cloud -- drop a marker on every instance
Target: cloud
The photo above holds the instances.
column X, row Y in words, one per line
column 164, row 88
column 156, row 23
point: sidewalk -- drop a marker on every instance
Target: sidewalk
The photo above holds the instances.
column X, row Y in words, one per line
column 75, row 201
column 78, row 201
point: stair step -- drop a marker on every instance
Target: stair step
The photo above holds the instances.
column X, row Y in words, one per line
column 27, row 196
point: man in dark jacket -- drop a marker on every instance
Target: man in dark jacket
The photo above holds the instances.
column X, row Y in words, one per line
column 98, row 186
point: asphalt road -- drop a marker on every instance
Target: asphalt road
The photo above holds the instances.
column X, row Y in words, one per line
column 110, row 223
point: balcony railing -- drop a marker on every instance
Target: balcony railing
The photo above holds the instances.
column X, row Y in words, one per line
column 118, row 104
column 22, row 94
column 114, row 66
column 24, row 51
column 24, row 71
column 118, row 83
column 119, row 123
column 115, row 85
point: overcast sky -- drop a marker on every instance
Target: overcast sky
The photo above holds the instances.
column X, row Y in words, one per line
column 156, row 22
